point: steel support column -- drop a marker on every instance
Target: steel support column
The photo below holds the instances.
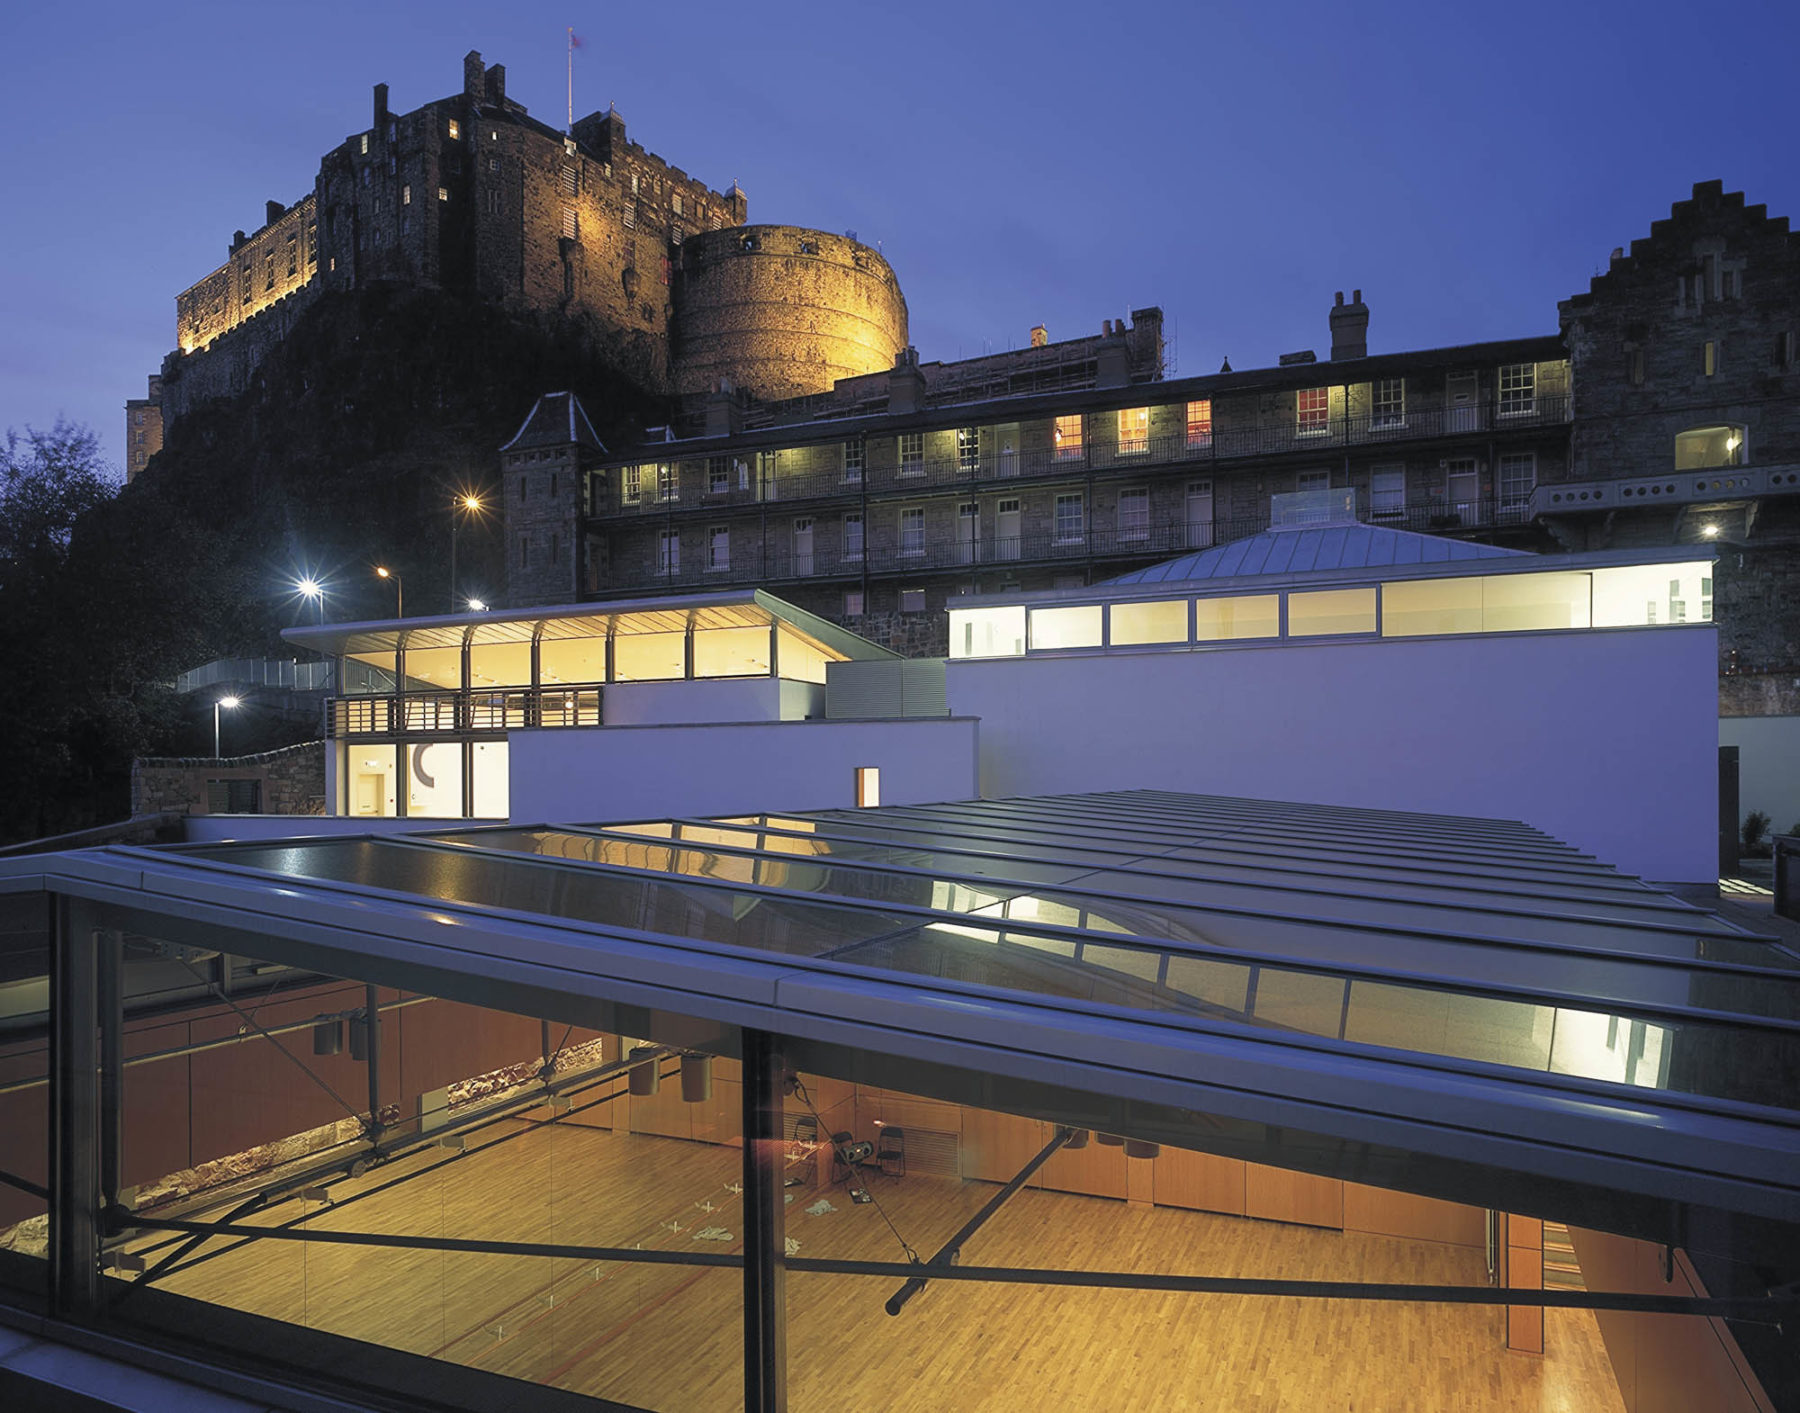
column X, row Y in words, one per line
column 765, row 1259
column 109, row 962
column 372, row 1039
column 74, row 1113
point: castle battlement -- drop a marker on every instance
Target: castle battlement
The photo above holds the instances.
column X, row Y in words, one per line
column 470, row 195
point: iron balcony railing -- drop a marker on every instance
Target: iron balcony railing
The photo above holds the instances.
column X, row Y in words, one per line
column 775, row 560
column 745, row 481
column 476, row 712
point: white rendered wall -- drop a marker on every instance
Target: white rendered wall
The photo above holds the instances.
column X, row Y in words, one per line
column 710, row 700
column 1768, row 766
column 1604, row 739
column 648, row 772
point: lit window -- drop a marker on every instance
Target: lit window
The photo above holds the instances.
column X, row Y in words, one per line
column 1066, row 432
column 1518, row 389
column 853, row 538
column 1134, row 430
column 406, row 195
column 1199, row 423
column 365, row 144
column 455, row 130
column 1389, row 403
column 1251, row 616
column 1132, row 624
column 1387, row 491
column 968, row 450
column 1054, row 628
column 856, row 452
column 631, row 484
column 571, row 179
column 1069, row 519
column 1331, row 611
column 1312, row 411
column 912, row 453
column 1710, row 359
column 1134, row 515
column 668, row 482
column 987, row 632
column 718, row 475
column 868, row 787
column 1516, row 478
column 668, row 555
column 1701, row 447
column 912, row 530
column 443, row 193
column 718, row 548
column 912, row 601
column 853, row 603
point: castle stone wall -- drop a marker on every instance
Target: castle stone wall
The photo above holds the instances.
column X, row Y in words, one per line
column 293, row 780
column 783, row 311
column 263, row 269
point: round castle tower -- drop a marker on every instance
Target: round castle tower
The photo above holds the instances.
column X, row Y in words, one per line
column 782, row 311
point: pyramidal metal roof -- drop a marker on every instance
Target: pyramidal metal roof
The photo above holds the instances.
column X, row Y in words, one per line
column 556, row 419
column 1327, row 547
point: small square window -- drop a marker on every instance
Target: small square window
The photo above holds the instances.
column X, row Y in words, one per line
column 853, row 603
column 912, row 601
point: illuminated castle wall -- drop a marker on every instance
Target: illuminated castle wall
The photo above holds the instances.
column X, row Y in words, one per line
column 471, row 195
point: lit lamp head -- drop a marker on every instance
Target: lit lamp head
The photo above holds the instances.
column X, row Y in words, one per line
column 477, row 606
column 381, row 572
column 309, row 588
column 1710, row 531
column 230, row 703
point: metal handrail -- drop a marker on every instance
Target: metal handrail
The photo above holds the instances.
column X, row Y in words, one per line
column 1225, row 443
column 470, row 711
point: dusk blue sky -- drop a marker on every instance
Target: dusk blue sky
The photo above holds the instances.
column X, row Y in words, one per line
column 1466, row 166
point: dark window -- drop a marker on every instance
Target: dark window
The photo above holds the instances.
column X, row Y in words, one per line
column 234, row 797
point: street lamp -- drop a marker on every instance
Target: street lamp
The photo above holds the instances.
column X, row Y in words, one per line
column 310, row 588
column 477, row 606
column 383, row 572
column 230, row 704
column 466, row 505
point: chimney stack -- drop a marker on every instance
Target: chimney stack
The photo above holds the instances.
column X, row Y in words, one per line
column 474, row 76
column 906, row 383
column 1349, row 327
column 496, row 86
column 272, row 212
column 381, row 108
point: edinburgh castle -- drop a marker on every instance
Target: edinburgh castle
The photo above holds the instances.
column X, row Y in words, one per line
column 471, row 196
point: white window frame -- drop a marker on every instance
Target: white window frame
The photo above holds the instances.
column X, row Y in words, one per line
column 1387, row 404
column 1393, row 508
column 856, row 459
column 910, row 449
column 1516, row 390
column 668, row 553
column 1068, row 437
column 1512, row 498
column 852, row 543
column 631, row 485
column 1311, row 421
column 968, row 451
column 668, row 481
column 1199, row 425
column 912, row 531
column 718, row 548
column 1075, row 501
column 1136, row 529
column 718, row 475
column 1134, row 436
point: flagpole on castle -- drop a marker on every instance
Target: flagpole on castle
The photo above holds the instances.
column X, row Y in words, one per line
column 571, row 80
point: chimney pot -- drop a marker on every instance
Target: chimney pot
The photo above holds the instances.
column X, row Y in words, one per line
column 1350, row 328
column 1340, row 296
column 381, row 104
column 1356, row 298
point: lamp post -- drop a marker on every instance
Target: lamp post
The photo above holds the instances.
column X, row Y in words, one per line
column 465, row 505
column 310, row 588
column 477, row 606
column 383, row 572
column 230, row 704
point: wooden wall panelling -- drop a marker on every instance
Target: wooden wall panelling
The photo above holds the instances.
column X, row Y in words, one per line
column 1387, row 1213
column 663, row 1112
column 1201, row 1182
column 1282, row 1195
column 995, row 1146
column 156, row 1140
column 1524, row 1271
column 1099, row 1170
